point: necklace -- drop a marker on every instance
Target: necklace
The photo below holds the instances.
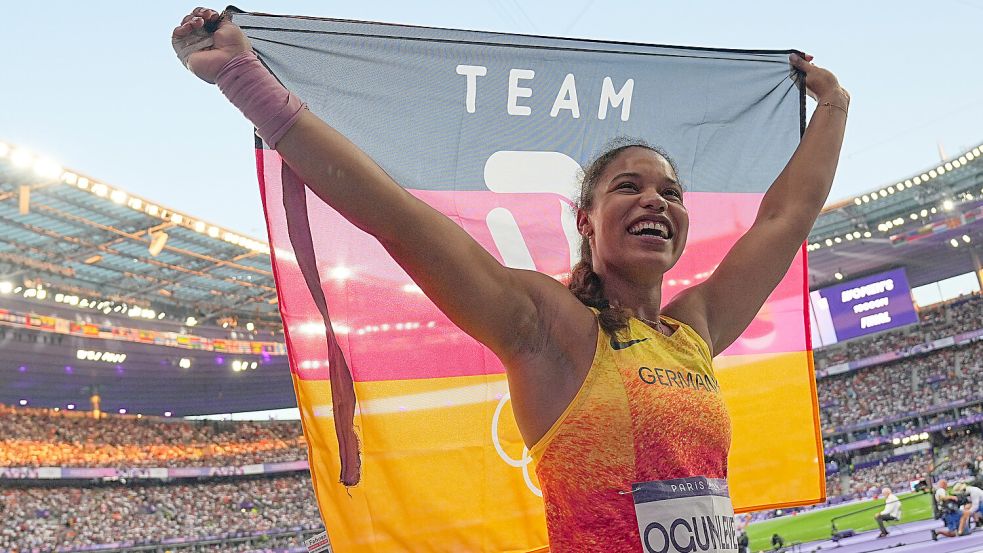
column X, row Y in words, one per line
column 660, row 327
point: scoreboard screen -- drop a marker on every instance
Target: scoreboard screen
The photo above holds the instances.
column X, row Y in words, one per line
column 862, row 306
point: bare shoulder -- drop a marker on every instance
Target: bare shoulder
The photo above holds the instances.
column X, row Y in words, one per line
column 690, row 307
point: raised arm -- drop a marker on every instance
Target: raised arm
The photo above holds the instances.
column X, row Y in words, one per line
column 490, row 302
column 726, row 303
column 496, row 305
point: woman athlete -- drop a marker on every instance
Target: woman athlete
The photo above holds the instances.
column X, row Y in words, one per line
column 610, row 389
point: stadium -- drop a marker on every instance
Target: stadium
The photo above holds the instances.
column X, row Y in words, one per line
column 157, row 358
column 120, row 318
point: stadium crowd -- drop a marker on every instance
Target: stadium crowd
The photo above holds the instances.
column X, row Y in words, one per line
column 834, row 485
column 43, row 437
column 959, row 454
column 41, row 518
column 951, row 460
column 958, row 316
column 908, row 386
column 937, row 321
column 897, row 475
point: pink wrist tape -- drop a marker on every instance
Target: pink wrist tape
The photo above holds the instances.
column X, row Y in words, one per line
column 259, row 96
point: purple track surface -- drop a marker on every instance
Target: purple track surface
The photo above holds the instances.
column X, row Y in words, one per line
column 914, row 537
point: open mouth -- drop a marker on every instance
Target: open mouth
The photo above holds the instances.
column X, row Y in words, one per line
column 651, row 228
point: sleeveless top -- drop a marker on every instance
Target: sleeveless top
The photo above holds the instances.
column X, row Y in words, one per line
column 649, row 409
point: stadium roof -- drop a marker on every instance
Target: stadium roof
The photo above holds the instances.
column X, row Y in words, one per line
column 85, row 237
column 82, row 237
column 101, row 287
column 929, row 222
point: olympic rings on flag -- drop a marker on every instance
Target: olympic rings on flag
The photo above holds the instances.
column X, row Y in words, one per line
column 524, row 461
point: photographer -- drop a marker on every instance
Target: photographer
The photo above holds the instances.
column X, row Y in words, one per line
column 973, row 509
column 949, row 508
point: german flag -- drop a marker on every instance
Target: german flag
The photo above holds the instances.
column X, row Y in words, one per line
column 491, row 130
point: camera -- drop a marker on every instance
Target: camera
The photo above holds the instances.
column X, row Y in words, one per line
column 955, row 505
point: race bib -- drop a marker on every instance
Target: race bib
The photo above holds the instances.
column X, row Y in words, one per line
column 685, row 515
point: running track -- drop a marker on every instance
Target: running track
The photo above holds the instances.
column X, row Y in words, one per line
column 914, row 537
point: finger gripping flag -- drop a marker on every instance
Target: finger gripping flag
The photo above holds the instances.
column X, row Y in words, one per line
column 491, row 130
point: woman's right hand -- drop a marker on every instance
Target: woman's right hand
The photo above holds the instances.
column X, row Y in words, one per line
column 204, row 52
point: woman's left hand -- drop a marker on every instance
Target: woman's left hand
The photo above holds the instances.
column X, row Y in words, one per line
column 821, row 84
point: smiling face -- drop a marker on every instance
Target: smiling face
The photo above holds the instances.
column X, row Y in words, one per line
column 636, row 221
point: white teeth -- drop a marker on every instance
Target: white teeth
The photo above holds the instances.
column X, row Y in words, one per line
column 657, row 226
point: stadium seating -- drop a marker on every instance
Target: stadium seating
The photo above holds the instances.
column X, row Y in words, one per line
column 244, row 510
column 868, row 481
column 239, row 514
column 42, row 437
column 907, row 386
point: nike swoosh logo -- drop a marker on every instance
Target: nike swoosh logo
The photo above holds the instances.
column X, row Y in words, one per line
column 616, row 345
